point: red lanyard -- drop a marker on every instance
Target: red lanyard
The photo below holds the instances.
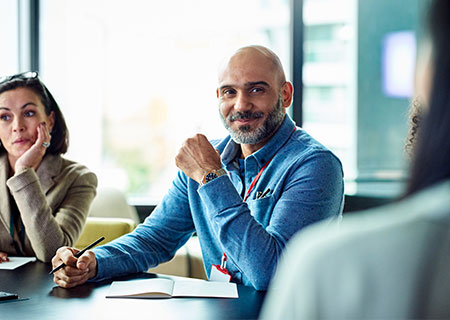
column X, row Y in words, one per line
column 259, row 174
column 257, row 178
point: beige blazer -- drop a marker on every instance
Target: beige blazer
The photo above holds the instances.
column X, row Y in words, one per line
column 53, row 202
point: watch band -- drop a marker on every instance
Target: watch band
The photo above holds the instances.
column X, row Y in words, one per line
column 211, row 175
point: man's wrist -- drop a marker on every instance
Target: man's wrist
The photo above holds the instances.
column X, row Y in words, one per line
column 211, row 175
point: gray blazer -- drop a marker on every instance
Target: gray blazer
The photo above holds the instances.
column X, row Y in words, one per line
column 391, row 262
column 53, row 202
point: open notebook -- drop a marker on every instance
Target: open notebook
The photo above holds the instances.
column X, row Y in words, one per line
column 168, row 288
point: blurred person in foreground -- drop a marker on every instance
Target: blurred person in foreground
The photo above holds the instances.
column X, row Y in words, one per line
column 391, row 262
column 244, row 196
column 44, row 198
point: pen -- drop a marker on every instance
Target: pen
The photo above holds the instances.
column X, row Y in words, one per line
column 77, row 255
column 265, row 193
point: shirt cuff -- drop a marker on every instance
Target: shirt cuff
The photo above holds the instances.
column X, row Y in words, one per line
column 22, row 179
column 219, row 194
column 101, row 264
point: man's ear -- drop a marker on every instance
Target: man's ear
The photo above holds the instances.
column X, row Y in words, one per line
column 287, row 91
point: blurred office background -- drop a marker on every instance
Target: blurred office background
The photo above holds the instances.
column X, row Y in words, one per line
column 135, row 78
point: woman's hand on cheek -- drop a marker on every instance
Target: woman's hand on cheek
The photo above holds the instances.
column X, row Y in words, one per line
column 33, row 156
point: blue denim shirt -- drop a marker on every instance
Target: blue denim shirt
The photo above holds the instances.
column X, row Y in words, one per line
column 306, row 185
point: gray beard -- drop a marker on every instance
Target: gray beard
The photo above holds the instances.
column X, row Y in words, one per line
column 243, row 135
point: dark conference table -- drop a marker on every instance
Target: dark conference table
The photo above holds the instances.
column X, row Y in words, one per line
column 48, row 301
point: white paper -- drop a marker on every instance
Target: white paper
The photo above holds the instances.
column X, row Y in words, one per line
column 15, row 262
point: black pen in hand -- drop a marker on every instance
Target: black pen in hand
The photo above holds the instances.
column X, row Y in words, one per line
column 77, row 255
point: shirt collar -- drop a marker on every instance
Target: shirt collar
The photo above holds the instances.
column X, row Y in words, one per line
column 232, row 149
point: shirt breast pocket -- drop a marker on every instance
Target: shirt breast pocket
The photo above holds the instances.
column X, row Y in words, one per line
column 261, row 209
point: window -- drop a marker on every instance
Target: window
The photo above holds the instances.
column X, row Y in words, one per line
column 135, row 78
column 329, row 104
column 9, row 37
column 346, row 106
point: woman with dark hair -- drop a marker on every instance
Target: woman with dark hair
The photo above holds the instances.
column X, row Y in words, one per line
column 44, row 198
column 391, row 262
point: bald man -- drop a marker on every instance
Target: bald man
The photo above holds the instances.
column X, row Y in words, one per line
column 245, row 195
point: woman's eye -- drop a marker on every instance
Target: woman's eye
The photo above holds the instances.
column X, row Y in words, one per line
column 29, row 113
column 5, row 117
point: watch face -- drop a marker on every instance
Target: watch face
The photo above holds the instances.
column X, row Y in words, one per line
column 210, row 176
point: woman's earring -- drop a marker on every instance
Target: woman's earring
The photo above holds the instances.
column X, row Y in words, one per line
column 415, row 117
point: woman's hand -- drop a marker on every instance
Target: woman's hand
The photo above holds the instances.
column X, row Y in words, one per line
column 3, row 257
column 33, row 156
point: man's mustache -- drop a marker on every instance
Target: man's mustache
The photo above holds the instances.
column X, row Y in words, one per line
column 245, row 115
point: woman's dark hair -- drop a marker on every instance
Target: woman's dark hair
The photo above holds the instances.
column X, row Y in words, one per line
column 431, row 162
column 59, row 142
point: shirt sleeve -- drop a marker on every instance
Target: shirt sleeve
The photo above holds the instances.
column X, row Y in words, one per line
column 48, row 229
column 311, row 191
column 154, row 241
